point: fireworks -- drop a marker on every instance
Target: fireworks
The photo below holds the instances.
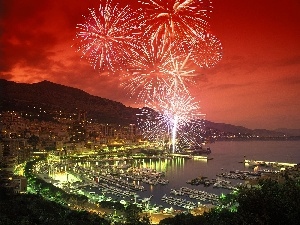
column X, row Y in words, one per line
column 156, row 50
column 174, row 118
column 181, row 73
column 145, row 75
column 174, row 19
column 207, row 52
column 154, row 126
column 181, row 111
column 157, row 70
column 106, row 38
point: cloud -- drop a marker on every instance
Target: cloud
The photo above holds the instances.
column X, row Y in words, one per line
column 288, row 61
column 288, row 80
column 6, row 76
column 25, row 41
column 226, row 86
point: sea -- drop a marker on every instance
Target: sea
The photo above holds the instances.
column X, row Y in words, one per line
column 225, row 156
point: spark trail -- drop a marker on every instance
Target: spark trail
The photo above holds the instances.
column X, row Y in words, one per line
column 175, row 117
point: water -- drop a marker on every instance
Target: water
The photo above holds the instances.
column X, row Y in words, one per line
column 226, row 156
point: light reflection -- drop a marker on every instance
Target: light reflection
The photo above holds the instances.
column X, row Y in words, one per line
column 151, row 188
column 199, row 159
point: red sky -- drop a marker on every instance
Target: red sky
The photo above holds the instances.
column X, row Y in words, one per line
column 256, row 85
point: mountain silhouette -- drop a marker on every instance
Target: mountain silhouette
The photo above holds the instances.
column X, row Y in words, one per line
column 52, row 96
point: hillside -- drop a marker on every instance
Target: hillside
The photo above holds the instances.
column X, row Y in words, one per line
column 45, row 94
column 52, row 96
column 228, row 128
column 289, row 132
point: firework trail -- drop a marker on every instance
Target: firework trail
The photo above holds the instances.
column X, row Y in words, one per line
column 107, row 36
column 182, row 111
column 175, row 116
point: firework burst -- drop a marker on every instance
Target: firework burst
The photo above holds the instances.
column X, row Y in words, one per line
column 180, row 71
column 207, row 52
column 158, row 49
column 145, row 76
column 204, row 52
column 174, row 19
column 158, row 70
column 175, row 119
column 107, row 37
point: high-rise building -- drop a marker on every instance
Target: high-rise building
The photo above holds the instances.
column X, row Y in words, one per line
column 78, row 132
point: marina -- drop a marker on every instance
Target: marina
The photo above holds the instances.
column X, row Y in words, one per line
column 172, row 182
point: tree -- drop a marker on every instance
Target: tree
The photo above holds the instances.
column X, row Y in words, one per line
column 132, row 214
column 145, row 220
column 271, row 202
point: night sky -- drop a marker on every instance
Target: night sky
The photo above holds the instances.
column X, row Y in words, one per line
column 256, row 84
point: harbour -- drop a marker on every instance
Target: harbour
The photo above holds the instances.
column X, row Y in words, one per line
column 176, row 182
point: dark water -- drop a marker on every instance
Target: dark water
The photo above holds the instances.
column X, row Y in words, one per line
column 226, row 156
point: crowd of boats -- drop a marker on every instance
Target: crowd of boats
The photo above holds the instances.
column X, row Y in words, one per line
column 202, row 197
column 125, row 181
column 119, row 182
column 146, row 175
column 199, row 195
column 216, row 183
column 223, row 179
column 245, row 174
column 180, row 202
column 106, row 188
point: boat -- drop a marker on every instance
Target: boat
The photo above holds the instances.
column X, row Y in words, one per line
column 197, row 149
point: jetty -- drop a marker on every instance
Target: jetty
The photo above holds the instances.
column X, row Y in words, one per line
column 190, row 156
column 250, row 162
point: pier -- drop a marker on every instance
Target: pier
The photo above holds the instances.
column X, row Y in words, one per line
column 251, row 162
column 189, row 156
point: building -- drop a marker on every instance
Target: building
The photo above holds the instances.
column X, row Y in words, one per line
column 78, row 130
column 12, row 183
column 15, row 148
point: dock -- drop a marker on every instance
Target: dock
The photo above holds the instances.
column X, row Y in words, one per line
column 189, row 156
column 251, row 162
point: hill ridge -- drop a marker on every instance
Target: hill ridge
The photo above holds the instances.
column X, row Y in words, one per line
column 45, row 93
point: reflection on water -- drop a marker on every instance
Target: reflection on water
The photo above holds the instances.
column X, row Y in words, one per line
column 177, row 170
column 226, row 156
column 162, row 165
